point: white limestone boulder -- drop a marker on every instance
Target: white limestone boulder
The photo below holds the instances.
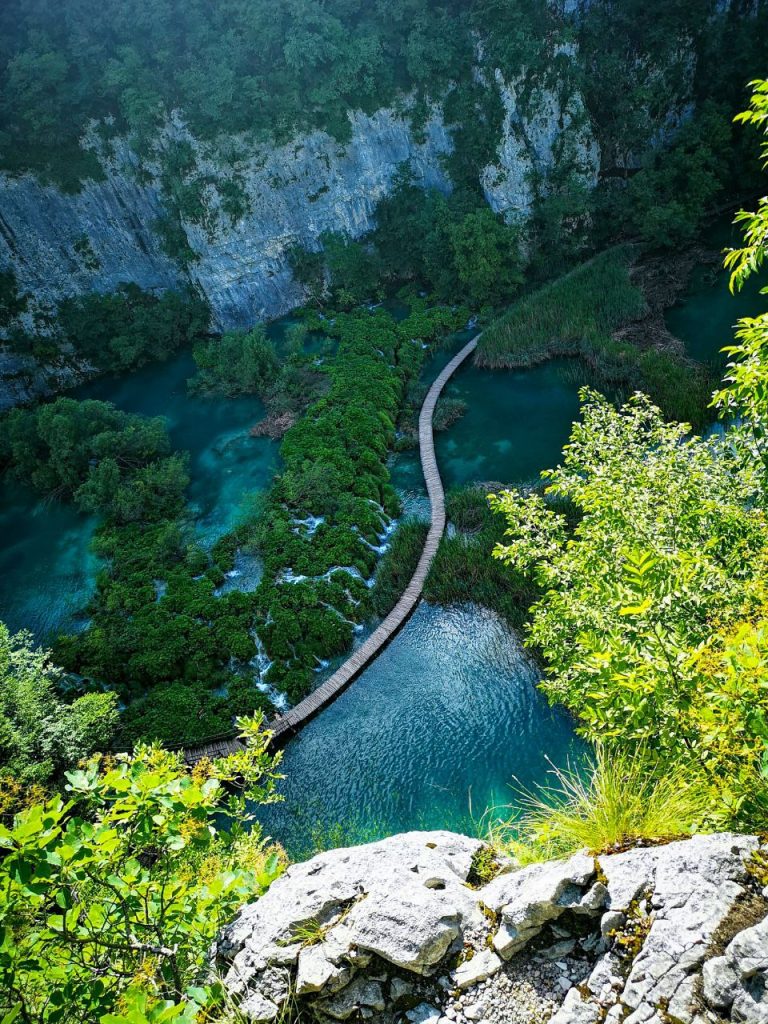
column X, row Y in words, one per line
column 370, row 932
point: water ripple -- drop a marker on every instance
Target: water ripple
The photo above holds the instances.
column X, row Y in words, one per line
column 442, row 722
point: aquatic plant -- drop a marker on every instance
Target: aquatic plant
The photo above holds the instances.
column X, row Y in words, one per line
column 573, row 315
column 579, row 315
column 315, row 587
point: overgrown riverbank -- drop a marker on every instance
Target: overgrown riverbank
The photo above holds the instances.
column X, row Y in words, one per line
column 606, row 314
column 463, row 570
column 322, row 526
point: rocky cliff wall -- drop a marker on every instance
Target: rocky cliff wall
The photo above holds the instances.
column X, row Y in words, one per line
column 61, row 244
column 393, row 933
column 542, row 131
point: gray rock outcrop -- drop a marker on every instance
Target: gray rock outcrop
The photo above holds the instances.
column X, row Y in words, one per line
column 392, row 932
column 551, row 129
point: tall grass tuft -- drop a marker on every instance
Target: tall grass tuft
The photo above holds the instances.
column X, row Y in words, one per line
column 620, row 800
column 574, row 315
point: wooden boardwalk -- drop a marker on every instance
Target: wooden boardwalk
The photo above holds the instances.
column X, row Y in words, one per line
column 284, row 726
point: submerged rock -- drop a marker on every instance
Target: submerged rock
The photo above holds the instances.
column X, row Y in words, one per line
column 650, row 935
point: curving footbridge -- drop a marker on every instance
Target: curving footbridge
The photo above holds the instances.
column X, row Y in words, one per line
column 284, row 726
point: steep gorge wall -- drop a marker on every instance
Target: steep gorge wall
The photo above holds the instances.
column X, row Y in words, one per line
column 59, row 244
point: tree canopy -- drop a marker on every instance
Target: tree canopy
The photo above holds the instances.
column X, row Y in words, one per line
column 650, row 546
column 40, row 733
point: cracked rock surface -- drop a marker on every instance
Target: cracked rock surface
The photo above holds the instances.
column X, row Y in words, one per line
column 393, row 933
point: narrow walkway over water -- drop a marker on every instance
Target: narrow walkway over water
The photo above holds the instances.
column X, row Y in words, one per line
column 289, row 723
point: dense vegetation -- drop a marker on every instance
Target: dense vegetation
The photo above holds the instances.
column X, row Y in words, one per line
column 285, row 376
column 578, row 315
column 456, row 246
column 241, row 67
column 41, row 735
column 115, row 889
column 158, row 633
column 653, row 614
column 179, row 653
column 117, row 331
column 105, row 460
column 237, row 362
column 238, row 67
column 321, row 525
column 638, row 81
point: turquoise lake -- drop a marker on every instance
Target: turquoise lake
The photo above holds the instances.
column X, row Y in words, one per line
column 447, row 726
column 707, row 312
column 46, row 570
column 444, row 725
column 448, row 722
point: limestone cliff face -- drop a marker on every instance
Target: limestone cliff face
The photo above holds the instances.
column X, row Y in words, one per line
column 295, row 193
column 672, row 933
column 548, row 129
column 61, row 244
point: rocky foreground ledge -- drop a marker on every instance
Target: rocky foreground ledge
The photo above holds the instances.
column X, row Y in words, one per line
column 396, row 933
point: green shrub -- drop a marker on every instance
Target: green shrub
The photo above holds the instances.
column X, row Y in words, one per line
column 654, row 592
column 114, row 893
column 398, row 564
column 42, row 734
column 236, row 362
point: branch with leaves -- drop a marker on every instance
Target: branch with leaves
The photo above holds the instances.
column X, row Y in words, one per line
column 112, row 894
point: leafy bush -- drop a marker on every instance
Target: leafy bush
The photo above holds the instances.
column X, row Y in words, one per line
column 88, row 450
column 236, row 362
column 129, row 327
column 669, row 550
column 40, row 733
column 114, row 893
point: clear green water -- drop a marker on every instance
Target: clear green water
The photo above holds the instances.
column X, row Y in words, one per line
column 515, row 425
column 225, row 462
column 447, row 724
column 46, row 570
